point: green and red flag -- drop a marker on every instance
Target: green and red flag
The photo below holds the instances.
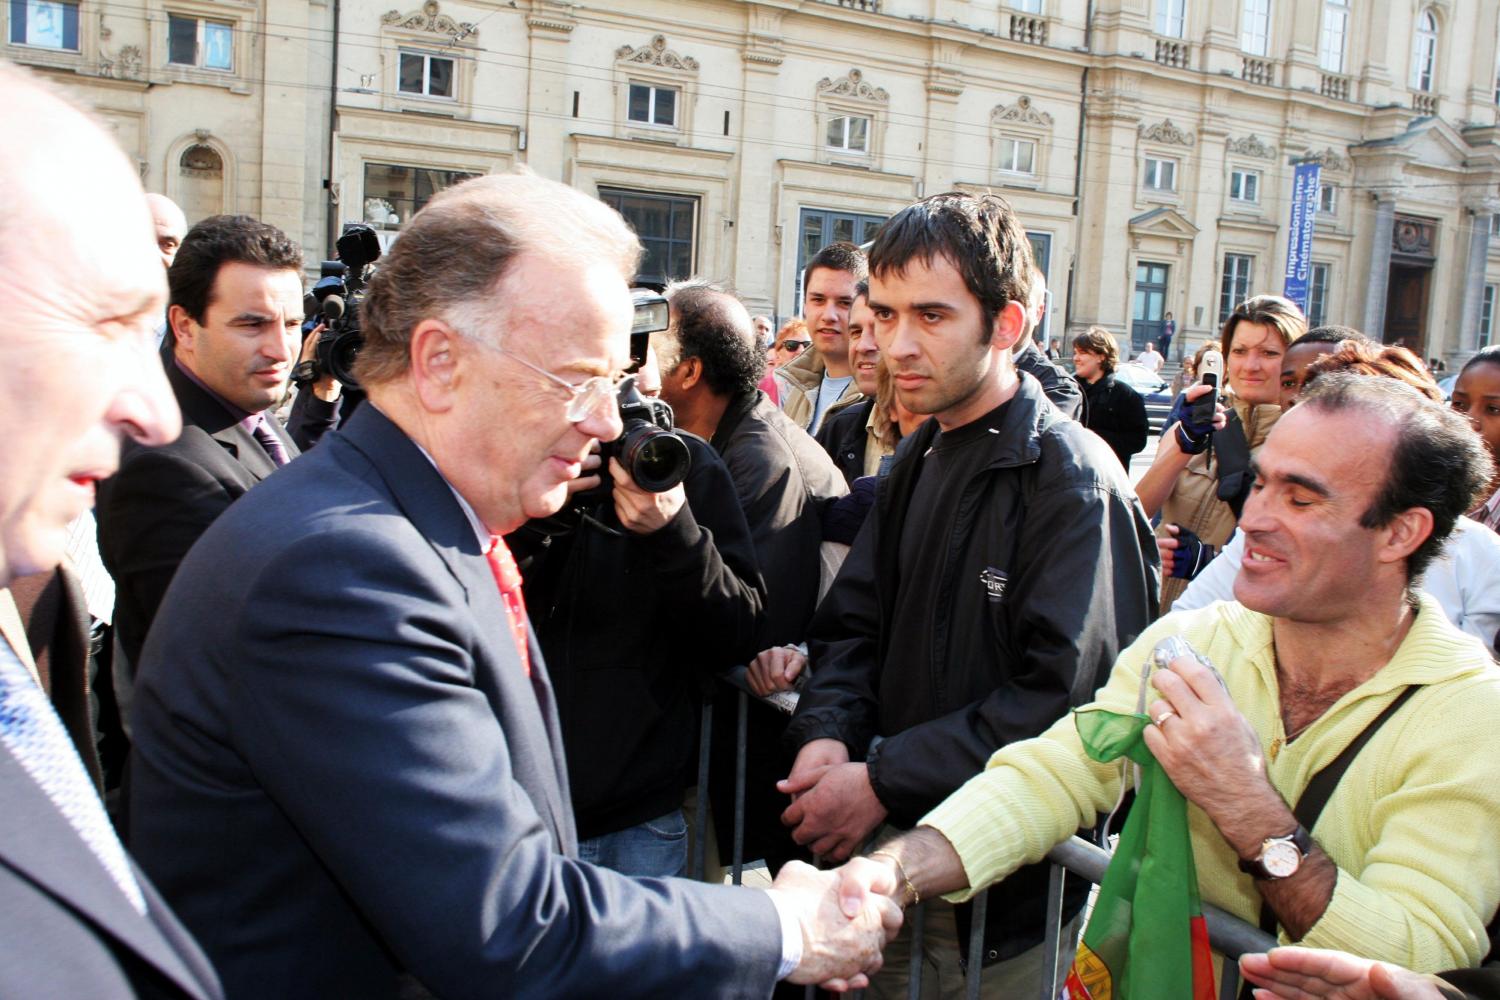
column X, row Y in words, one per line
column 1146, row 939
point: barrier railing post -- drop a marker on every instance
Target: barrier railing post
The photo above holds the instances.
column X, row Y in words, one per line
column 700, row 827
column 914, row 974
column 1229, row 983
column 976, row 946
column 1053, row 931
column 741, row 737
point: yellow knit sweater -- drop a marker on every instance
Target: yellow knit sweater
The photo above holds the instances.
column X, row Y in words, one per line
column 1414, row 826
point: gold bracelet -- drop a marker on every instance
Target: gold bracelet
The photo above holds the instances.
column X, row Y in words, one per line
column 916, row 897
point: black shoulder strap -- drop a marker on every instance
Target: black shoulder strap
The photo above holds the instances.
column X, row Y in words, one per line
column 1232, row 450
column 1320, row 789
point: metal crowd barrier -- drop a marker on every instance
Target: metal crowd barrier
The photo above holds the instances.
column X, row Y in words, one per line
column 1230, row 936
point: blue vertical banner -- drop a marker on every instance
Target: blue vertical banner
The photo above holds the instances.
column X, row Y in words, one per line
column 1300, row 239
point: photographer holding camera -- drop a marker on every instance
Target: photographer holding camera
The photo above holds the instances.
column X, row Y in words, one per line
column 655, row 555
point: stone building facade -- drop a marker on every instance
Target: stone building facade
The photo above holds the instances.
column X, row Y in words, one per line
column 1148, row 145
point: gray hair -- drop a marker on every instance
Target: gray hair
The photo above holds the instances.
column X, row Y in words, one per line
column 452, row 255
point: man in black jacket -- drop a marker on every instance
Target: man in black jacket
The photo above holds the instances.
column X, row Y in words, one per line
column 635, row 605
column 1005, row 565
column 1113, row 410
column 711, row 365
column 859, row 442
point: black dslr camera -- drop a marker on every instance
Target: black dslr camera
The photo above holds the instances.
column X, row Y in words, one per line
column 656, row 458
column 649, row 449
column 339, row 292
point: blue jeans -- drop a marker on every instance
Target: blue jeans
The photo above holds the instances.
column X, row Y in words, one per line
column 656, row 848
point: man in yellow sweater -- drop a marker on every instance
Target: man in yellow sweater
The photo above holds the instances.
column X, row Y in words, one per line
column 1356, row 490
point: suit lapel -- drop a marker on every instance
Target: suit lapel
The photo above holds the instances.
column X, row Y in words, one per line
column 40, row 845
column 203, row 411
column 526, row 708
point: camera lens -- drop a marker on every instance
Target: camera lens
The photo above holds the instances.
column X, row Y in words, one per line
column 656, row 459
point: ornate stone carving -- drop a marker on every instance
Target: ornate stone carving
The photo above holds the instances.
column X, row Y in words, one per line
column 1165, row 132
column 124, row 66
column 853, row 85
column 1020, row 113
column 429, row 19
column 656, row 54
column 1329, row 158
column 1252, row 146
column 1413, row 236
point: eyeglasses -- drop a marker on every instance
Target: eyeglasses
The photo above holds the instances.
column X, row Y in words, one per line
column 795, row 346
column 593, row 397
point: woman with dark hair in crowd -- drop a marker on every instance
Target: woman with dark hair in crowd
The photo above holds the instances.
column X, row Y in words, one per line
column 1200, row 489
column 1476, row 394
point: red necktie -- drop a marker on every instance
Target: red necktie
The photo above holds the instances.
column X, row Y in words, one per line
column 508, row 579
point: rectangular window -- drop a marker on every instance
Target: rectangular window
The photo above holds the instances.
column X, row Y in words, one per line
column 1161, row 175
column 1255, row 28
column 393, row 194
column 849, row 132
column 665, row 226
column 1317, row 295
column 1335, row 29
column 1244, row 185
column 652, row 105
column 1328, row 199
column 195, row 42
column 1235, row 287
column 1494, row 226
column 1486, row 315
column 820, row 227
column 1017, row 156
column 426, row 75
column 45, row 24
column 1170, row 17
column 1027, row 6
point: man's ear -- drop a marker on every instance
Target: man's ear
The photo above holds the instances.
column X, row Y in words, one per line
column 437, row 364
column 689, row 372
column 183, row 328
column 1009, row 326
column 1404, row 534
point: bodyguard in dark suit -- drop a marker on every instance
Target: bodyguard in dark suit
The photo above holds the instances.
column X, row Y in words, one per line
column 80, row 287
column 235, row 314
column 349, row 772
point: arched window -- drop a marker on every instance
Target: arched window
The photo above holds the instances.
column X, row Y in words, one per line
column 1424, row 50
column 1332, row 43
column 200, row 187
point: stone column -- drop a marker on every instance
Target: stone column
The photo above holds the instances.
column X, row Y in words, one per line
column 1473, row 298
column 1380, row 266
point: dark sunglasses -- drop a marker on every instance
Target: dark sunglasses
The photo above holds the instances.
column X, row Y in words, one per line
column 795, row 345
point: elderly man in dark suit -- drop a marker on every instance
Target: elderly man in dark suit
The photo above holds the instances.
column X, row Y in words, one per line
column 236, row 312
column 80, row 286
column 349, row 773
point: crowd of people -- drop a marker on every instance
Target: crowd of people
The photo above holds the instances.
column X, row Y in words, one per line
column 392, row 689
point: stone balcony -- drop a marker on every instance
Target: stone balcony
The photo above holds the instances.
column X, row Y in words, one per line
column 1174, row 52
column 873, row 6
column 1257, row 70
column 1028, row 28
column 1424, row 103
column 1335, row 86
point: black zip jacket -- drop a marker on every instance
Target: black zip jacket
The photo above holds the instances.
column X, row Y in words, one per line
column 844, row 437
column 630, row 626
column 1055, row 518
column 1117, row 413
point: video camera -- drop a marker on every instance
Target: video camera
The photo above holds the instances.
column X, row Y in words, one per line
column 338, row 292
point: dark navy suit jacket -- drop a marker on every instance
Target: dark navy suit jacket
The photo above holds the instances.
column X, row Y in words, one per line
column 67, row 930
column 343, row 775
